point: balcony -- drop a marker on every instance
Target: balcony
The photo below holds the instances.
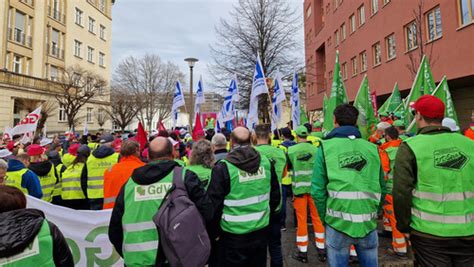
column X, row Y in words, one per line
column 19, row 37
column 54, row 51
column 25, row 81
column 56, row 15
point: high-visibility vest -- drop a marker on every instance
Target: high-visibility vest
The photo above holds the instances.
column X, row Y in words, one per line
column 317, row 134
column 14, row 179
column 246, row 207
column 185, row 160
column 38, row 253
column 48, row 182
column 354, row 191
column 443, row 199
column 276, row 142
column 140, row 236
column 71, row 182
column 203, row 173
column 95, row 172
column 314, row 140
column 391, row 153
column 180, row 162
column 228, row 146
column 286, row 180
column 92, row 146
column 67, row 159
column 302, row 157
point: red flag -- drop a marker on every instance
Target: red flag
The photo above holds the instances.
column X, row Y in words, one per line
column 141, row 136
column 198, row 131
column 161, row 127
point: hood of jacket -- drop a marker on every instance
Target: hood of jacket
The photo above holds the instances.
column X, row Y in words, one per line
column 288, row 143
column 344, row 131
column 18, row 228
column 15, row 165
column 41, row 168
column 103, row 152
column 153, row 171
column 245, row 158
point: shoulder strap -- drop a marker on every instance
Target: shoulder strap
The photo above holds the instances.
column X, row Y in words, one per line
column 178, row 178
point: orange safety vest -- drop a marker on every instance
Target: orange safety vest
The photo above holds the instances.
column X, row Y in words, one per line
column 116, row 177
column 470, row 133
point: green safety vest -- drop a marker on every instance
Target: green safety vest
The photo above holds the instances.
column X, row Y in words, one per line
column 354, row 191
column 202, row 172
column 38, row 253
column 180, row 162
column 302, row 157
column 140, row 236
column 95, row 172
column 443, row 199
column 71, row 182
column 392, row 153
column 247, row 206
column 48, row 182
column 67, row 159
column 14, row 179
column 317, row 134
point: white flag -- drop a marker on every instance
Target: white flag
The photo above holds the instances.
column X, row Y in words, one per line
column 295, row 102
column 199, row 97
column 178, row 101
column 29, row 123
column 8, row 133
column 277, row 99
column 259, row 86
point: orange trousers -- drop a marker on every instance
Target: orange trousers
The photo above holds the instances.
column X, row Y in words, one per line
column 301, row 204
column 398, row 239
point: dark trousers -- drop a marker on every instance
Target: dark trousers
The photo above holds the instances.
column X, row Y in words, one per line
column 285, row 193
column 96, row 204
column 254, row 255
column 442, row 252
column 274, row 242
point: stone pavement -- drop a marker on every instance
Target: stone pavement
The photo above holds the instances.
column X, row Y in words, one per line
column 289, row 245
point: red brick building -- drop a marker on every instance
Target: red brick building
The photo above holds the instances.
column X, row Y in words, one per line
column 381, row 38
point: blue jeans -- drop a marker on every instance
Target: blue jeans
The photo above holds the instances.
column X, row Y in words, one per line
column 284, row 193
column 338, row 245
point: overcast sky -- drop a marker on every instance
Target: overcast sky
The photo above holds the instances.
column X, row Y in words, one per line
column 173, row 29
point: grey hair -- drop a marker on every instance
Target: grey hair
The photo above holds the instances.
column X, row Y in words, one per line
column 219, row 140
column 3, row 164
column 202, row 154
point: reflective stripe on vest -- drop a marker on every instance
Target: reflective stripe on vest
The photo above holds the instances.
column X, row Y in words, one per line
column 48, row 183
column 109, row 200
column 246, row 201
column 302, row 157
column 443, row 199
column 140, row 247
column 351, row 217
column 96, row 168
column 71, row 182
column 244, row 218
column 354, row 195
column 14, row 178
column 301, row 184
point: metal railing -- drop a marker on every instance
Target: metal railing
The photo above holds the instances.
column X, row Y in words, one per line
column 25, row 81
column 19, row 37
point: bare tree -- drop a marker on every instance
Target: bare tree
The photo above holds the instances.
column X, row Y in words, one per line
column 125, row 107
column 47, row 109
column 76, row 87
column 152, row 82
column 268, row 28
column 423, row 49
column 102, row 116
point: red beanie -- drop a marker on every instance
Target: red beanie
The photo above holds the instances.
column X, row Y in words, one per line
column 73, row 149
column 35, row 150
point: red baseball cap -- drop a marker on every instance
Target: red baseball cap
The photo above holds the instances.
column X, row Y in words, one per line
column 73, row 149
column 430, row 107
column 35, row 150
column 11, row 145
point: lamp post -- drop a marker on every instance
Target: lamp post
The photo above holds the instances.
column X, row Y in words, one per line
column 191, row 61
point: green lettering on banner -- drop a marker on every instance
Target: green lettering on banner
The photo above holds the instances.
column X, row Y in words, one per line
column 76, row 252
column 91, row 253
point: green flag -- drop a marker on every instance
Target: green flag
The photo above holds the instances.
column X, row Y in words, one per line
column 395, row 99
column 363, row 102
column 442, row 92
column 325, row 103
column 338, row 96
column 303, row 117
column 384, row 106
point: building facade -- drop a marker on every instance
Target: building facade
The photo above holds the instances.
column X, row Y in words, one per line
column 40, row 39
column 385, row 39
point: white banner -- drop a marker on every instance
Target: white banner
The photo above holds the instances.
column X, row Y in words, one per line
column 85, row 231
column 29, row 123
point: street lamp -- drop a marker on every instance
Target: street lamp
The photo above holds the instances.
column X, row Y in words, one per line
column 191, row 61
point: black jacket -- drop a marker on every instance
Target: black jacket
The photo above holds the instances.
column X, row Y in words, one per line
column 42, row 168
column 149, row 174
column 247, row 159
column 18, row 228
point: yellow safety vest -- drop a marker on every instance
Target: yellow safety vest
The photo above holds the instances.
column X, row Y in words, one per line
column 67, row 159
column 95, row 172
column 71, row 182
column 14, row 179
column 48, row 183
column 314, row 140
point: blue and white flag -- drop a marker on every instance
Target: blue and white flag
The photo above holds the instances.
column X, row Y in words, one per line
column 199, row 97
column 227, row 112
column 259, row 86
column 235, row 89
column 277, row 100
column 178, row 101
column 295, row 102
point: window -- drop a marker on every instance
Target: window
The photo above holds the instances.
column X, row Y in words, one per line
column 433, row 23
column 386, row 2
column 337, row 3
column 308, row 11
column 54, row 73
column 377, row 54
column 77, row 48
column 374, row 4
column 62, row 113
column 56, row 14
column 411, row 36
column 102, row 5
column 27, row 66
column 102, row 32
column 336, row 37
column 90, row 54
column 363, row 61
column 344, row 71
column 100, row 114
column 19, row 34
column 343, row 32
column 466, row 10
column 91, row 25
column 101, row 59
column 361, row 12
column 17, row 63
column 352, row 21
column 54, row 42
column 100, row 90
column 89, row 115
column 354, row 66
column 390, row 45
column 78, row 16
